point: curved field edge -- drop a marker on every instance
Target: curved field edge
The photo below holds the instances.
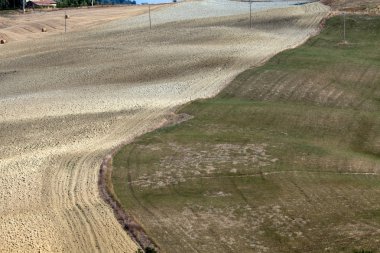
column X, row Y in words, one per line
column 286, row 158
column 132, row 228
column 106, row 190
column 66, row 109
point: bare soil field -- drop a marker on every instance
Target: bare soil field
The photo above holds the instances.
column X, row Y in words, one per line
column 67, row 100
column 16, row 26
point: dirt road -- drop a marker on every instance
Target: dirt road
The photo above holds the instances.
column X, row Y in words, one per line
column 66, row 101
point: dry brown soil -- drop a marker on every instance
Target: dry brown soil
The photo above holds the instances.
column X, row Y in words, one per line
column 67, row 100
column 18, row 26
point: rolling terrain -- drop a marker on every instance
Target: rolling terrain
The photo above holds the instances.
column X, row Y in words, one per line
column 285, row 159
column 351, row 4
column 66, row 100
column 15, row 26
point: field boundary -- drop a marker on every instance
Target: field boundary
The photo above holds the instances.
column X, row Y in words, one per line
column 133, row 229
column 127, row 221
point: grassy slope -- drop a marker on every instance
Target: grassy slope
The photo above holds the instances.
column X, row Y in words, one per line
column 272, row 163
column 355, row 4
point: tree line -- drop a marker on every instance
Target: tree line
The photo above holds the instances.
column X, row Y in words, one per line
column 77, row 3
column 9, row 4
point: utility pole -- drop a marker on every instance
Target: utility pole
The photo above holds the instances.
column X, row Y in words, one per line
column 23, row 6
column 150, row 19
column 250, row 13
column 344, row 27
column 65, row 21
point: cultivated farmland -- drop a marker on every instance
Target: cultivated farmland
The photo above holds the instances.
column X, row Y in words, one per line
column 66, row 100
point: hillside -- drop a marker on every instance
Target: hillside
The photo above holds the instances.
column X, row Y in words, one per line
column 285, row 159
column 351, row 4
column 68, row 99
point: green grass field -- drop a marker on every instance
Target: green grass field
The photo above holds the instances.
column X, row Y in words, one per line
column 285, row 159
